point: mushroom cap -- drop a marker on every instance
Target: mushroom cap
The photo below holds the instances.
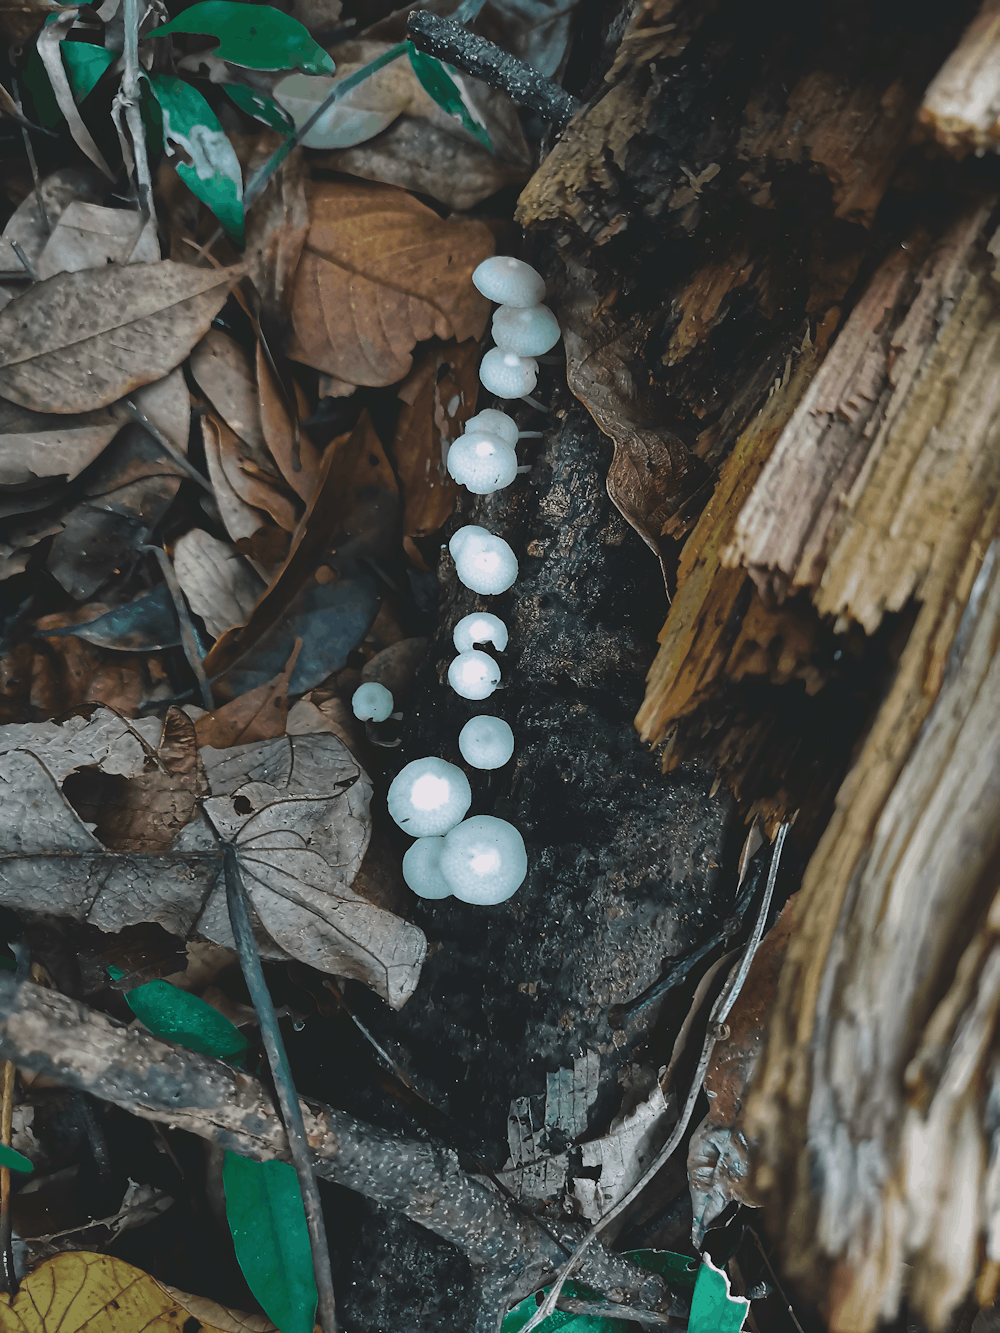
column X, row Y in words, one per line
column 483, row 562
column 482, row 463
column 371, row 702
column 510, row 281
column 480, row 627
column 428, row 797
column 484, row 860
column 507, row 375
column 422, row 868
column 486, row 742
column 474, row 675
column 525, row 330
column 494, row 422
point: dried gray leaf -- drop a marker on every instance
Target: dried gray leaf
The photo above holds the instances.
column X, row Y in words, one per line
column 221, row 587
column 89, row 236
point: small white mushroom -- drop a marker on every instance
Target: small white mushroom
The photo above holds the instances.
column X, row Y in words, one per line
column 483, row 562
column 525, row 330
column 494, row 422
column 422, row 869
column 486, row 742
column 482, row 463
column 428, row 797
column 507, row 375
column 509, row 281
column 371, row 702
column 474, row 675
column 480, row 627
column 484, row 860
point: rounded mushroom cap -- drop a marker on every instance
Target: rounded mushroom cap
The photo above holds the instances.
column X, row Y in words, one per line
column 429, row 796
column 484, row 860
column 510, row 281
column 486, row 742
column 480, row 627
column 494, row 422
column 474, row 675
column 507, row 375
column 482, row 462
column 483, row 562
column 422, row 869
column 525, row 330
column 371, row 702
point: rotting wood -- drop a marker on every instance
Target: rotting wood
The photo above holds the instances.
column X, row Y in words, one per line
column 961, row 107
column 84, row 1049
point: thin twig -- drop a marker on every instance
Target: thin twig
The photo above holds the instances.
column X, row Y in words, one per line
column 29, row 149
column 284, row 1086
column 167, row 447
column 8, row 1277
column 24, row 261
column 133, row 15
column 716, row 1032
column 188, row 641
column 474, row 55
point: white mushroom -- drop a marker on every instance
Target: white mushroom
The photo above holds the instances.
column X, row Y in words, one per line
column 371, row 702
column 429, row 796
column 480, row 627
column 525, row 330
column 484, row 860
column 482, row 463
column 422, row 869
column 494, row 422
column 474, row 675
column 509, row 281
column 507, row 375
column 483, row 562
column 486, row 742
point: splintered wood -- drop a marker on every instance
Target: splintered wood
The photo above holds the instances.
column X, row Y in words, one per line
column 961, row 107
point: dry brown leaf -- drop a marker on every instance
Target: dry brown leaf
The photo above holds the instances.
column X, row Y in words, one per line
column 440, row 396
column 295, row 454
column 380, row 272
column 49, row 45
column 247, row 526
column 277, row 224
column 225, row 374
column 254, row 490
column 21, row 19
column 37, row 446
column 214, row 1317
column 219, row 584
column 88, row 236
column 306, row 719
column 26, row 226
column 46, row 677
column 259, row 715
column 79, row 341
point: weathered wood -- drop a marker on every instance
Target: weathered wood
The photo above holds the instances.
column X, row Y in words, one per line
column 961, row 107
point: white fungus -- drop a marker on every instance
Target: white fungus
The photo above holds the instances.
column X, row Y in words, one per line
column 474, row 675
column 429, row 796
column 483, row 562
column 507, row 375
column 525, row 330
column 422, row 869
column 486, row 742
column 484, row 860
column 371, row 702
column 509, row 281
column 482, row 463
column 494, row 422
column 480, row 627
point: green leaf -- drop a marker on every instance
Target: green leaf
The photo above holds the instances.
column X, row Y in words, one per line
column 255, row 36
column 260, row 107
column 210, row 168
column 177, row 1016
column 437, row 83
column 268, row 1225
column 12, row 1160
column 562, row 1320
column 713, row 1310
column 84, row 63
column 680, row 1269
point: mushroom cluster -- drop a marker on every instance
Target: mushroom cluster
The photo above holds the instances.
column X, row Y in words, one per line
column 480, row 860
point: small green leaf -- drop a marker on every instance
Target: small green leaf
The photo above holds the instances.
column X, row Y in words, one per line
column 84, row 63
column 562, row 1320
column 680, row 1269
column 255, row 36
column 12, row 1160
column 260, row 107
column 713, row 1310
column 268, row 1225
column 177, row 1016
column 437, row 83
column 207, row 163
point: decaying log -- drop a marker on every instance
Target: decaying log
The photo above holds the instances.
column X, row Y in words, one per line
column 961, row 108
column 511, row 1252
